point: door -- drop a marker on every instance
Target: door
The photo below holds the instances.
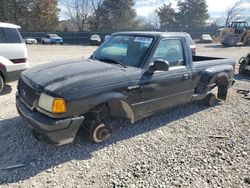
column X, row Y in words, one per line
column 164, row 89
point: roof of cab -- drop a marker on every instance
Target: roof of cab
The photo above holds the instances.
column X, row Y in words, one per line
column 9, row 25
column 152, row 33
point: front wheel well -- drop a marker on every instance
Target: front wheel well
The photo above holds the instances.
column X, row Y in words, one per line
column 120, row 108
column 113, row 108
column 2, row 75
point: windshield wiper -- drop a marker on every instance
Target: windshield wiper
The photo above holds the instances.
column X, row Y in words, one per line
column 108, row 60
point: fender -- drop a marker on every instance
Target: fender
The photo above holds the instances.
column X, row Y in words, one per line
column 117, row 103
column 211, row 75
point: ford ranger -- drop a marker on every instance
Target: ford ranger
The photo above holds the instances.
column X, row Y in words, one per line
column 131, row 75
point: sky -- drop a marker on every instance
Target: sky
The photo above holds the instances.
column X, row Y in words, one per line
column 216, row 8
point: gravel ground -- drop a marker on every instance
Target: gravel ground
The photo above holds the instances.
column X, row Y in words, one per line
column 190, row 146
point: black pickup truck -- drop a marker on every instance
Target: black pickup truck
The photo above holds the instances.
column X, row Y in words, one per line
column 131, row 75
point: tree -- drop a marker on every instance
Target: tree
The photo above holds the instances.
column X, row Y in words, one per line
column 154, row 20
column 118, row 15
column 12, row 11
column 233, row 13
column 43, row 15
column 192, row 13
column 32, row 15
column 95, row 20
column 166, row 16
column 78, row 11
column 144, row 23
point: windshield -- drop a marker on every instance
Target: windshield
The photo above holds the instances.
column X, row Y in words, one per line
column 127, row 50
column 53, row 35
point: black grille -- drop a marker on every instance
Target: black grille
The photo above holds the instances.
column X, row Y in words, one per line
column 27, row 94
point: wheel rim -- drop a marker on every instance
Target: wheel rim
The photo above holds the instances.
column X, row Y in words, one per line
column 101, row 133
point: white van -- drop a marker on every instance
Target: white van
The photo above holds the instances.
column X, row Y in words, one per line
column 13, row 53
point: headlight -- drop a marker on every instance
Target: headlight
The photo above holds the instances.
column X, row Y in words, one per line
column 51, row 104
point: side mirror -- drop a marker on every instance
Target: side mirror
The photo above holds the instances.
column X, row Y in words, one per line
column 159, row 65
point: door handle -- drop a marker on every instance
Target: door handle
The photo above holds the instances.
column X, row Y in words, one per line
column 185, row 76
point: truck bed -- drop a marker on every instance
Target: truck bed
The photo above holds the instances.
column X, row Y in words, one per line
column 204, row 61
column 205, row 58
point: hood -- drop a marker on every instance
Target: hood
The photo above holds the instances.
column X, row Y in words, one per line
column 67, row 77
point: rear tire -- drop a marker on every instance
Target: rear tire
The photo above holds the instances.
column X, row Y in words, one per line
column 241, row 69
column 1, row 84
column 210, row 100
column 242, row 63
column 247, row 42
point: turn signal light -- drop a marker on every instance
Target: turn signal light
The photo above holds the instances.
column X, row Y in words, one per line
column 59, row 106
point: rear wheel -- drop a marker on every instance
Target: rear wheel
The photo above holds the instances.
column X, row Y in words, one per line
column 242, row 65
column 248, row 42
column 210, row 100
column 1, row 84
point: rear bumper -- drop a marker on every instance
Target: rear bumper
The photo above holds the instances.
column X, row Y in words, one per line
column 49, row 130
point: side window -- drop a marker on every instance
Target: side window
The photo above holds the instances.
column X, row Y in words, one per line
column 13, row 35
column 47, row 36
column 170, row 50
column 3, row 38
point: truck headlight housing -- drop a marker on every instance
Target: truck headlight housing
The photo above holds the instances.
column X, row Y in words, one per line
column 51, row 104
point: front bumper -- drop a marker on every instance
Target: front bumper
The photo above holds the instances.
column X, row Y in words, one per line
column 56, row 41
column 49, row 130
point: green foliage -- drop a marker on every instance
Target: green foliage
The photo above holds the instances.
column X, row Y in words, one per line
column 192, row 13
column 31, row 15
column 166, row 15
column 114, row 15
column 95, row 20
